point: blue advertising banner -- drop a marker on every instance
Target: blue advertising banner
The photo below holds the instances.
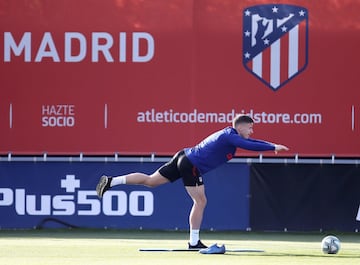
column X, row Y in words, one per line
column 48, row 194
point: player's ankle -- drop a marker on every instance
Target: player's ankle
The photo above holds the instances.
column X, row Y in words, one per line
column 118, row 181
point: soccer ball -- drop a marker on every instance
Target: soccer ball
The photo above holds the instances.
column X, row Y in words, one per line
column 330, row 245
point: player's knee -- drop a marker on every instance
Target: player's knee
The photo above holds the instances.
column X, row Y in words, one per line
column 154, row 180
column 151, row 183
column 204, row 202
column 201, row 201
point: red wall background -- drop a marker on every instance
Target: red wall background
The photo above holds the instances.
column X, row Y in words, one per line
column 197, row 67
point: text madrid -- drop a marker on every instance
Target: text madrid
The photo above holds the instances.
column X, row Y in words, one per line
column 73, row 47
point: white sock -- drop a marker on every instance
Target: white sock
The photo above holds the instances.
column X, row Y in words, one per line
column 194, row 236
column 118, row 181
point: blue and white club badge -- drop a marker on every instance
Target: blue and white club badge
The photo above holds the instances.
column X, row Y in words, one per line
column 275, row 42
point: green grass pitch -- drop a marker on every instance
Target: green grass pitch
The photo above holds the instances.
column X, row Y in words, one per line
column 82, row 246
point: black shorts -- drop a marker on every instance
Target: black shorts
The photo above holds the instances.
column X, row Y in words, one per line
column 180, row 167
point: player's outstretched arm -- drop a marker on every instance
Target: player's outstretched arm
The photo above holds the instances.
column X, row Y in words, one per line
column 280, row 147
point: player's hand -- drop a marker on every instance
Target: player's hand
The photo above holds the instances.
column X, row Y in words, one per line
column 280, row 147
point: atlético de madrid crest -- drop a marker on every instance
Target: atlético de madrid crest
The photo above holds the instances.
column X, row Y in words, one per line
column 275, row 42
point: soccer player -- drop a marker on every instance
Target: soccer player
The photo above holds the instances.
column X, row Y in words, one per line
column 190, row 164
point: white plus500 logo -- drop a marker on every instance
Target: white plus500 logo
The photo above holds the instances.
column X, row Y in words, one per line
column 114, row 203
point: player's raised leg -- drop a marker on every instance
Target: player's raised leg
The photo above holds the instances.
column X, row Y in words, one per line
column 153, row 180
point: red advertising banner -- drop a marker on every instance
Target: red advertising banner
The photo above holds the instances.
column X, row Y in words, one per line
column 139, row 77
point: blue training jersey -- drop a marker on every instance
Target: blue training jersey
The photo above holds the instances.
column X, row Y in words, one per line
column 220, row 147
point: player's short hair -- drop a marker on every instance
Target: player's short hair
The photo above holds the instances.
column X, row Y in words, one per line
column 241, row 118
